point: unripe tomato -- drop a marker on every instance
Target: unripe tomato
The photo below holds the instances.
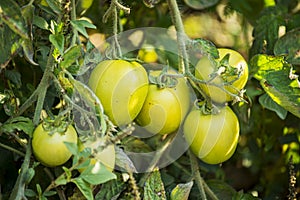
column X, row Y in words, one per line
column 164, row 108
column 51, row 150
column 106, row 156
column 205, row 68
column 213, row 138
column 147, row 54
column 121, row 87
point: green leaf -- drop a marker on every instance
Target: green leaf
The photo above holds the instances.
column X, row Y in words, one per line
column 154, row 187
column 262, row 64
column 289, row 45
column 7, row 48
column 71, row 56
column 40, row 22
column 84, row 187
column 10, row 14
column 72, row 147
column 181, row 191
column 221, row 189
column 266, row 30
column 14, row 76
column 28, row 51
column 49, row 193
column 54, row 5
column 283, row 90
column 80, row 26
column 30, row 193
column 29, row 174
column 111, row 189
column 206, row 47
column 97, row 174
column 266, row 101
column 61, row 180
column 18, row 123
column 58, row 41
column 200, row 4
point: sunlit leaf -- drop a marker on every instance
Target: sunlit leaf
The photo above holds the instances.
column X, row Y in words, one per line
column 266, row 101
column 289, row 45
column 154, row 187
column 181, row 191
column 58, row 41
column 71, row 56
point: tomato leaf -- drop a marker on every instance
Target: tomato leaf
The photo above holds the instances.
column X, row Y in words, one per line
column 54, row 5
column 266, row 101
column 84, row 187
column 200, row 4
column 97, row 174
column 28, row 51
column 18, row 123
column 58, row 42
column 289, row 45
column 30, row 193
column 80, row 26
column 14, row 76
column 181, row 191
column 123, row 161
column 10, row 14
column 49, row 193
column 221, row 189
column 40, row 22
column 154, row 187
column 71, row 56
column 111, row 189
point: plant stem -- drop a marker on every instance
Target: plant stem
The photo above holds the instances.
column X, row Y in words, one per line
column 196, row 174
column 181, row 36
column 73, row 17
column 12, row 149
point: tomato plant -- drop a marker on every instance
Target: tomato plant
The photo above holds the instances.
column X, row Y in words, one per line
column 49, row 147
column 212, row 137
column 164, row 108
column 122, row 88
column 229, row 82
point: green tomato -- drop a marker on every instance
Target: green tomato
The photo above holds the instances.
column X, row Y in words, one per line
column 205, row 68
column 122, row 88
column 212, row 138
column 51, row 150
column 164, row 108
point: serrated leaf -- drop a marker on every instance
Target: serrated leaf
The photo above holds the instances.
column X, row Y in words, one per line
column 283, row 90
column 10, row 14
column 40, row 22
column 266, row 30
column 71, row 56
column 80, row 26
column 154, row 187
column 200, row 4
column 97, row 174
column 18, row 123
column 84, row 187
column 28, row 51
column 181, row 191
column 58, row 41
column 289, row 45
column 266, row 101
column 111, row 190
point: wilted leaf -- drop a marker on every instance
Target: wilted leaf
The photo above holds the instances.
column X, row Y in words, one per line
column 266, row 101
column 289, row 45
column 154, row 187
column 181, row 191
column 80, row 26
column 84, row 187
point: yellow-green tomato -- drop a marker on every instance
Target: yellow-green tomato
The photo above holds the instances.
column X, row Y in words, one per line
column 205, row 68
column 148, row 54
column 51, row 150
column 121, row 87
column 164, row 108
column 212, row 138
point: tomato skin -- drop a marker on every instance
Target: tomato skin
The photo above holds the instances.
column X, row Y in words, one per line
column 212, row 138
column 164, row 108
column 122, row 88
column 147, row 54
column 50, row 150
column 205, row 67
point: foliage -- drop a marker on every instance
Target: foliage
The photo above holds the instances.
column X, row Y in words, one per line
column 47, row 48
